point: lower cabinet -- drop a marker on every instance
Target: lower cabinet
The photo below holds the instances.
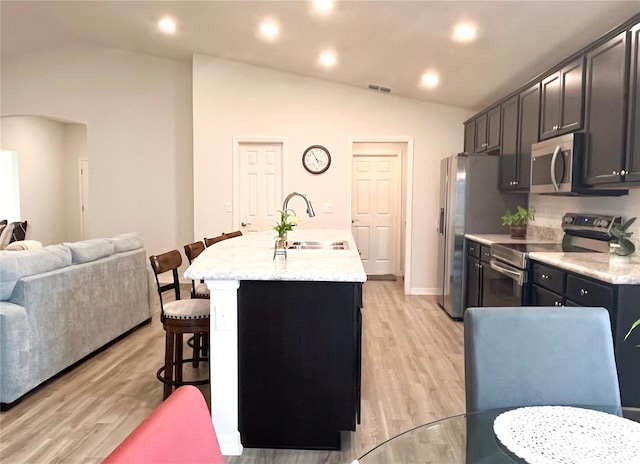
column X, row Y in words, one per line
column 478, row 257
column 552, row 286
column 299, row 354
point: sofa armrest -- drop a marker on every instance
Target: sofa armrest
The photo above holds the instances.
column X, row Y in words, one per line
column 14, row 351
column 179, row 430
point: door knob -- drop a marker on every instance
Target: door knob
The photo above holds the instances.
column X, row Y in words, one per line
column 354, row 220
column 245, row 224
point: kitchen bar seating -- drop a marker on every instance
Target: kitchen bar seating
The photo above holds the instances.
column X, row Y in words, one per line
column 534, row 356
column 190, row 316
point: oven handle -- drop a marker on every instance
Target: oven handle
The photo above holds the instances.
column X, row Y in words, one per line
column 514, row 274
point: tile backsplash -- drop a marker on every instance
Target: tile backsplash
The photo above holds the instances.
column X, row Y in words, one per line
column 550, row 209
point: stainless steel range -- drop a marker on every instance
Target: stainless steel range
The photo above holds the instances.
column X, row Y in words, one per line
column 505, row 283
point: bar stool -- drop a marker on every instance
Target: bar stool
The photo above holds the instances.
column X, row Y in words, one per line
column 179, row 317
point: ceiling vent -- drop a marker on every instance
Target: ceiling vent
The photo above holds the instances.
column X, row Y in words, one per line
column 379, row 88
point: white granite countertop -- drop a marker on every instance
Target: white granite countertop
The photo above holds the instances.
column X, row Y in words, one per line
column 250, row 257
column 595, row 265
column 489, row 239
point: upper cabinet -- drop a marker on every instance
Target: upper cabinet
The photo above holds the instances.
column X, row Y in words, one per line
column 520, row 121
column 632, row 165
column 606, row 112
column 470, row 137
column 562, row 101
column 482, row 134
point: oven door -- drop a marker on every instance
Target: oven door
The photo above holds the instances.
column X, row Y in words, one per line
column 503, row 285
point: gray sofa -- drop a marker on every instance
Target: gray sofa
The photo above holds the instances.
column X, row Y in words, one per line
column 62, row 302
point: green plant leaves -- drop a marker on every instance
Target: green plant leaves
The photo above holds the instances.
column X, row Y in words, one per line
column 620, row 231
column 520, row 218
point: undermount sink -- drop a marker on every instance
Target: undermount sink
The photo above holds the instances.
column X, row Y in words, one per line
column 313, row 245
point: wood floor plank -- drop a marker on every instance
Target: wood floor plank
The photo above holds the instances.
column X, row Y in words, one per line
column 412, row 373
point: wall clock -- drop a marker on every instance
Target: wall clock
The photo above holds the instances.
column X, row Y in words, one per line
column 316, row 159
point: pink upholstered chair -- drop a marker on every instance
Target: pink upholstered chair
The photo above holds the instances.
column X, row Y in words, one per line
column 180, row 430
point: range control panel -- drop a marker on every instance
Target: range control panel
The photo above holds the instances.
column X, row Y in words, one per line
column 589, row 224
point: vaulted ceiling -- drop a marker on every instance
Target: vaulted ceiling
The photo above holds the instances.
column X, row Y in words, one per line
column 387, row 43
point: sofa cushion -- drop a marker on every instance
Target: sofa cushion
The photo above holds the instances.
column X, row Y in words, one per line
column 15, row 265
column 89, row 250
column 126, row 242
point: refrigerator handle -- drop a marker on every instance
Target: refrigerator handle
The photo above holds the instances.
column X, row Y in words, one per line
column 441, row 222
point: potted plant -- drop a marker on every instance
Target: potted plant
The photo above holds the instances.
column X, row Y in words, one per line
column 286, row 223
column 621, row 248
column 518, row 221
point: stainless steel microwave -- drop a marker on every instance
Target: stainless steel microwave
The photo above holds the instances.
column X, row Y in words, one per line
column 555, row 164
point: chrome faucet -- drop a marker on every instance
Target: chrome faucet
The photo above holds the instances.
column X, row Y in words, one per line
column 310, row 210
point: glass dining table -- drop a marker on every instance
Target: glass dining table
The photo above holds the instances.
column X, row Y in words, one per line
column 466, row 438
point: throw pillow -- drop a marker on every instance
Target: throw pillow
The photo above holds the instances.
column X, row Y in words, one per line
column 3, row 222
column 19, row 231
column 5, row 236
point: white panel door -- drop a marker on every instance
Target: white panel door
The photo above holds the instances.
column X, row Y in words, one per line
column 375, row 208
column 260, row 185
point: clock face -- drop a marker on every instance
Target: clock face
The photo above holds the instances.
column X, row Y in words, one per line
column 316, row 159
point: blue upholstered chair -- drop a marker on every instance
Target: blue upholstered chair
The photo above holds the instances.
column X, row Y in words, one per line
column 535, row 356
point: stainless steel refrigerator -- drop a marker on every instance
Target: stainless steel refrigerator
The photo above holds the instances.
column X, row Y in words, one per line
column 470, row 202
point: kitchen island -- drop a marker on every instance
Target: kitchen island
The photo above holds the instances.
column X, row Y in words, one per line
column 285, row 340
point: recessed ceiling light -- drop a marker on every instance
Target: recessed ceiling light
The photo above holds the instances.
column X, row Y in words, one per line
column 464, row 32
column 430, row 79
column 167, row 25
column 323, row 5
column 328, row 59
column 269, row 30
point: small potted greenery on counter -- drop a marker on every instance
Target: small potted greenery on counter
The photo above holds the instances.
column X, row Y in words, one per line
column 518, row 221
column 287, row 222
column 621, row 248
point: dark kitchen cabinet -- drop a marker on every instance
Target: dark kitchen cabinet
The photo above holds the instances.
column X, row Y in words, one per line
column 632, row 165
column 553, row 286
column 509, row 145
column 487, row 131
column 478, row 257
column 515, row 162
column 470, row 137
column 299, row 355
column 606, row 112
column 562, row 101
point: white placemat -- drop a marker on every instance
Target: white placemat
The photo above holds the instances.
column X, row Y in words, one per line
column 563, row 434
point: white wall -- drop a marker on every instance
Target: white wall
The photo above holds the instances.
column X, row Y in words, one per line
column 231, row 99
column 137, row 110
column 40, row 145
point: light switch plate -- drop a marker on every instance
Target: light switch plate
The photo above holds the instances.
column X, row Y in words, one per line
column 328, row 208
column 228, row 207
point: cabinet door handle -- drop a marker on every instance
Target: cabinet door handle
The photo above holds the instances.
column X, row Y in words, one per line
column 623, row 172
column 555, row 127
column 583, row 292
column 472, row 249
column 544, row 276
column 615, row 173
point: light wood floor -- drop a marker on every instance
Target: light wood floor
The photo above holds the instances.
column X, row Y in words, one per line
column 412, row 373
